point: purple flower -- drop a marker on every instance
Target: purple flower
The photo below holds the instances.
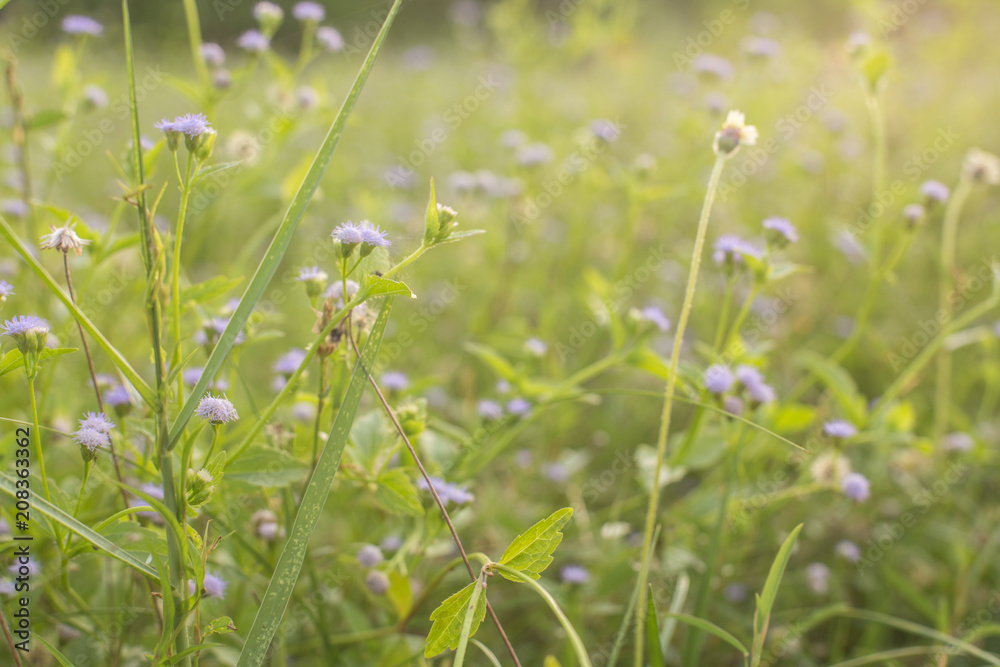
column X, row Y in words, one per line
column 22, row 325
column 849, row 550
column 74, row 24
column 215, row 586
column 117, row 396
column 370, row 556
column 91, row 438
column 30, row 567
column 748, row 375
column 95, row 96
column 377, row 582
column 914, row 213
column 14, row 207
column 855, row 486
column 718, row 379
column 818, row 576
column 289, row 362
column 781, row 230
column 191, row 124
column 761, row 393
column 449, row 493
column 395, row 381
column 574, row 574
column 733, row 405
column 730, row 249
column 489, row 409
column 311, row 273
column 556, row 472
column 533, row 155
column 713, row 66
column 936, row 192
column 391, row 543
column 373, row 236
column 330, row 39
column 519, row 406
column 213, row 54
column 216, row 410
column 253, row 41
column 761, row 47
column 6, row 289
column 840, row 429
column 606, row 130
column 348, row 233
column 656, row 316
column 97, row 421
column 957, row 442
column 309, row 12
column 536, row 347
column 268, row 12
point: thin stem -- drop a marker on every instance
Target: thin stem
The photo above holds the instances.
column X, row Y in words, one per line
column 741, row 317
column 175, row 273
column 470, row 615
column 437, row 500
column 194, row 37
column 661, row 443
column 946, row 284
column 10, row 640
column 79, row 500
column 38, row 438
column 319, row 407
column 727, row 300
column 574, row 638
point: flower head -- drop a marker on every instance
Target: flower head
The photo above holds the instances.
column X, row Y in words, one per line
column 97, row 421
column 91, row 438
column 216, row 410
column 377, row 582
column 574, row 574
column 64, row 239
column 253, row 41
column 268, row 13
column 330, row 39
column 117, row 396
column 395, row 381
column 215, row 586
column 839, row 429
column 914, row 214
column 370, row 556
column 855, row 486
column 655, row 316
column 95, row 96
column 536, row 347
column 213, row 54
column 718, row 379
column 830, row 468
column 818, row 576
column 761, row 47
column 981, row 167
column 935, row 192
column 734, row 133
column 957, row 442
column 449, row 493
column 75, row 24
column 729, row 251
column 533, row 155
column 519, row 406
column 191, row 124
column 27, row 331
column 6, row 290
column 266, row 526
column 605, row 130
column 849, row 550
column 780, row 232
column 373, row 236
column 314, row 278
column 488, row 409
column 289, row 362
column 712, row 66
column 309, row 12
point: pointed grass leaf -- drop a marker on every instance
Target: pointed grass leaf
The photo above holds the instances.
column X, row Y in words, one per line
column 765, row 600
column 653, row 634
column 282, row 237
column 286, row 573
column 448, row 619
column 531, row 552
column 710, row 628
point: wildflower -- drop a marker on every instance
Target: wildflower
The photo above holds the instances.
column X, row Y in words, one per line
column 309, row 12
column 914, row 214
column 349, row 235
column 858, row 42
column 6, row 586
column 957, row 442
column 818, row 576
column 533, row 155
column 748, row 375
column 830, row 468
column 574, row 574
column 733, row 405
column 253, row 41
column 214, row 586
column 74, row 24
column 735, row 592
column 761, row 47
column 780, row 232
column 718, row 379
column 97, row 421
column 981, row 167
column 729, row 251
column 14, row 207
column 849, row 550
column 29, row 568
column 655, row 316
column 372, row 237
column 556, row 472
column 289, row 362
column 839, row 429
column 489, row 409
column 462, row 181
column 713, row 66
column 192, row 124
column 64, row 239
column 855, row 486
column 306, row 97
column 330, row 39
column 216, row 410
column 314, row 279
column 29, row 334
column 265, row 525
column 95, row 97
column 304, row 411
column 268, row 15
column 447, row 492
column 935, row 192
column 512, row 139
column 336, row 292
column 6, row 290
column 91, row 438
column 519, row 406
column 761, row 394
column 213, row 54
column 395, row 381
column 119, row 399
column 370, row 556
column 734, row 133
column 605, row 130
column 536, row 347
column 377, row 582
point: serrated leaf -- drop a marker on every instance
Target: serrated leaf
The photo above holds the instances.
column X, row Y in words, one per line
column 397, row 494
column 448, row 618
column 379, row 286
column 220, row 626
column 531, row 552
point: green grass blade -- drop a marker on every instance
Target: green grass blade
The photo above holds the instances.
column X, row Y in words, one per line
column 710, row 628
column 633, row 601
column 56, row 653
column 884, row 657
column 130, row 374
column 487, row 652
column 765, row 601
column 279, row 244
column 917, row 629
column 279, row 590
column 46, row 508
column 653, row 634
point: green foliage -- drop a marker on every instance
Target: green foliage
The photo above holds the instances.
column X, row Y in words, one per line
column 531, row 551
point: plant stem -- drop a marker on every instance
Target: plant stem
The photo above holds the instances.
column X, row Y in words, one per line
column 175, row 273
column 946, row 308
column 319, row 407
column 470, row 614
column 574, row 638
column 79, row 500
column 661, row 443
column 38, row 438
column 194, row 37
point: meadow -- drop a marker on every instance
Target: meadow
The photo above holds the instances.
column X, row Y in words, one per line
column 589, row 332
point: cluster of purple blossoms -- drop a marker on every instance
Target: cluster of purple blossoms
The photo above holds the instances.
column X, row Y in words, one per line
column 253, row 41
column 574, row 574
column 309, row 12
column 519, row 406
column 118, row 397
column 191, row 124
column 780, row 232
column 840, row 429
column 367, row 235
column 395, row 381
column 713, row 66
column 370, row 556
column 330, row 39
column 216, row 410
column 6, row 290
column 289, row 362
column 213, row 586
column 93, row 431
column 448, row 492
column 729, row 251
column 656, row 317
column 488, row 409
column 75, row 24
column 855, row 486
column 935, row 192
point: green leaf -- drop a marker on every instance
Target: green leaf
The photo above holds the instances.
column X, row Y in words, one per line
column 710, row 628
column 282, row 238
column 266, row 467
column 448, row 618
column 839, row 382
column 765, row 600
column 458, row 236
column 45, row 508
column 470, row 622
column 220, row 626
column 400, row 593
column 432, row 219
column 215, row 169
column 45, row 118
column 874, row 68
column 282, row 582
column 60, row 658
column 531, row 552
column 379, row 286
column 211, row 289
column 397, row 494
column 653, row 634
column 493, row 359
